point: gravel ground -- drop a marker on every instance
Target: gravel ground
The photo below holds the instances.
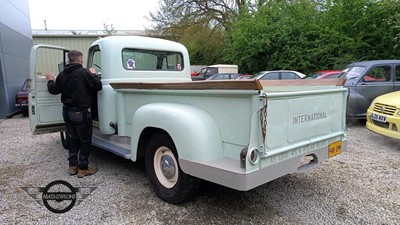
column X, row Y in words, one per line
column 361, row 186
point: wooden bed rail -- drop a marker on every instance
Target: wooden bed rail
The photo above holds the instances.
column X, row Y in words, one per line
column 249, row 84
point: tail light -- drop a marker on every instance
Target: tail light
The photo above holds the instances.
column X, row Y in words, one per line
column 21, row 99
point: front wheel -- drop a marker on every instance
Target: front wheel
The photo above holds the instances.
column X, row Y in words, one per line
column 65, row 139
column 170, row 183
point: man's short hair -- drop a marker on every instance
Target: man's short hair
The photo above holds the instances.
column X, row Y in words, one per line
column 74, row 56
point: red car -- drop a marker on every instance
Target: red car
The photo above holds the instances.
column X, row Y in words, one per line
column 21, row 98
column 325, row 74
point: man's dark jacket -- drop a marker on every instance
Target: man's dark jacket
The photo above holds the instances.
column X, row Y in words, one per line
column 76, row 85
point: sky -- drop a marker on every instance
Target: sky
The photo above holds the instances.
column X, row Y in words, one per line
column 91, row 14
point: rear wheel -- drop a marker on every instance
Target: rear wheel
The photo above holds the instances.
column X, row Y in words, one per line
column 170, row 183
column 65, row 139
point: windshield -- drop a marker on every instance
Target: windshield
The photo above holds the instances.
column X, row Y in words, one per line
column 259, row 74
column 313, row 76
column 202, row 71
column 352, row 72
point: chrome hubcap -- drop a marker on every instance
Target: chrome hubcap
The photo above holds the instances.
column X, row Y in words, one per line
column 167, row 166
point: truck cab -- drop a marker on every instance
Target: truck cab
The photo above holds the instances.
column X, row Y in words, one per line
column 118, row 59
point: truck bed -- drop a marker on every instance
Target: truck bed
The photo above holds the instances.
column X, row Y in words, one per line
column 281, row 121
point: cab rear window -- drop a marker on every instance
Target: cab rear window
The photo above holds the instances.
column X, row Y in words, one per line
column 139, row 59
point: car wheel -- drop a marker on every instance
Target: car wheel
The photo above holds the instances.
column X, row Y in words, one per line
column 65, row 139
column 169, row 182
column 25, row 112
column 363, row 122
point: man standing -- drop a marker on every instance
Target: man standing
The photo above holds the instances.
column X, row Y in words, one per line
column 77, row 86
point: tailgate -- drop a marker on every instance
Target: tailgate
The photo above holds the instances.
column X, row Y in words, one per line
column 304, row 115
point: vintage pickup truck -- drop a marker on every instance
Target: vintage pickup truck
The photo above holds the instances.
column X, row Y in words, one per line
column 239, row 134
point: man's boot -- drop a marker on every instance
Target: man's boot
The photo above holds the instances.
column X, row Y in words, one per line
column 72, row 170
column 86, row 172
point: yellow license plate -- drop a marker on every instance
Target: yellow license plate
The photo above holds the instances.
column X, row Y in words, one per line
column 335, row 149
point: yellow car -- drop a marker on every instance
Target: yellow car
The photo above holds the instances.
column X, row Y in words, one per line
column 383, row 115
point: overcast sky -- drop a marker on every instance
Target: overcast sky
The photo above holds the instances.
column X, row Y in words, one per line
column 90, row 14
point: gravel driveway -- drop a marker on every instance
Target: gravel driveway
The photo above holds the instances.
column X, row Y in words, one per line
column 361, row 186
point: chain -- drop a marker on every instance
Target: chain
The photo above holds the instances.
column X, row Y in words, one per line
column 263, row 117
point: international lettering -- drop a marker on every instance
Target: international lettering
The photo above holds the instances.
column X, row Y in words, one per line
column 309, row 117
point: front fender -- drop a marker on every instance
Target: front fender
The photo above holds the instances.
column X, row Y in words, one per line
column 194, row 131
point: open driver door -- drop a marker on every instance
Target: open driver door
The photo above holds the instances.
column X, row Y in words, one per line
column 45, row 109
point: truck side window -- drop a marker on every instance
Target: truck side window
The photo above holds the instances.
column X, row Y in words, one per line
column 49, row 60
column 94, row 59
column 139, row 59
column 96, row 62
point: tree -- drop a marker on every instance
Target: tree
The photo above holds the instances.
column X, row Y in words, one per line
column 311, row 35
column 301, row 35
column 373, row 25
column 279, row 35
column 109, row 29
column 204, row 44
column 198, row 24
column 175, row 15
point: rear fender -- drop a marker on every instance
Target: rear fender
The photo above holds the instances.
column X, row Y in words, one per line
column 194, row 131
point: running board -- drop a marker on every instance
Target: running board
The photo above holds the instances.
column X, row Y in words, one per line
column 112, row 143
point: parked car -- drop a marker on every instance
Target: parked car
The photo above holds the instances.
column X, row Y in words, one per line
column 208, row 71
column 224, row 76
column 21, row 98
column 195, row 69
column 383, row 115
column 245, row 76
column 367, row 80
column 322, row 74
column 279, row 75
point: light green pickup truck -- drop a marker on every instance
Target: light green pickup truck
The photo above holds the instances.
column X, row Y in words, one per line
column 240, row 133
